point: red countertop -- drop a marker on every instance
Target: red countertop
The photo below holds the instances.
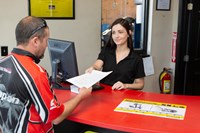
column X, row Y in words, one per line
column 98, row 110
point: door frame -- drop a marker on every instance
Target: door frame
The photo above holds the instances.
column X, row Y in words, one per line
column 181, row 49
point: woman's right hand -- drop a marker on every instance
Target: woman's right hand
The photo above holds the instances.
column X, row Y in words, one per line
column 89, row 70
column 96, row 66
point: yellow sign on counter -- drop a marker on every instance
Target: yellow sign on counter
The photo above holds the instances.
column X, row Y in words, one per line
column 159, row 109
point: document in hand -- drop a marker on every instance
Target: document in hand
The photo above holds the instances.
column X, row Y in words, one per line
column 88, row 79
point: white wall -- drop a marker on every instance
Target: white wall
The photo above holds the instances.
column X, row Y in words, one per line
column 163, row 24
column 85, row 32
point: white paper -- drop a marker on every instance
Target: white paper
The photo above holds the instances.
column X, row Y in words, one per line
column 88, row 79
column 148, row 65
column 74, row 89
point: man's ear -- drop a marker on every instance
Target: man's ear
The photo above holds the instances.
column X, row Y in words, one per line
column 35, row 41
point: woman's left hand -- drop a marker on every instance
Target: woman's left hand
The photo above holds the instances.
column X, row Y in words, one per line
column 118, row 86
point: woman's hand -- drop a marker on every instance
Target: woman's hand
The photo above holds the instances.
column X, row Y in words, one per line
column 89, row 70
column 137, row 85
column 118, row 86
column 96, row 66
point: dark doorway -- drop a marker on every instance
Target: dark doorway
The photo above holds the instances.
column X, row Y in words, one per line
column 187, row 71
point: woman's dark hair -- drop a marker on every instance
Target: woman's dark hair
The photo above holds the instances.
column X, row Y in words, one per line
column 127, row 26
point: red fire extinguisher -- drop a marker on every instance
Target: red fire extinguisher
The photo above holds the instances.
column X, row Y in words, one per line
column 165, row 81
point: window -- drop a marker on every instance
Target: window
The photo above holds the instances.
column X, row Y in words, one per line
column 136, row 11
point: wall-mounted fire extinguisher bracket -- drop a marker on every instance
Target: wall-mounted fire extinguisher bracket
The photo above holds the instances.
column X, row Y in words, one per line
column 165, row 81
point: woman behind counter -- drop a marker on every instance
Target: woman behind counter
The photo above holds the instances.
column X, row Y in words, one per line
column 119, row 57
